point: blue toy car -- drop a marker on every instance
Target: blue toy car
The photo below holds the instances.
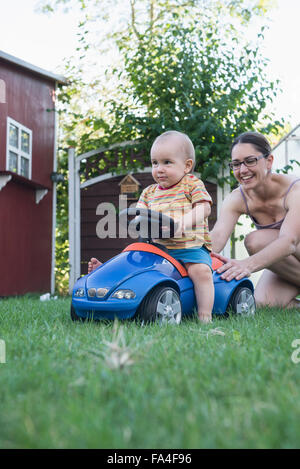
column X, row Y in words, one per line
column 146, row 283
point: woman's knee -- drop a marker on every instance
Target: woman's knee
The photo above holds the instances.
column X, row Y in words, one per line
column 250, row 243
column 257, row 240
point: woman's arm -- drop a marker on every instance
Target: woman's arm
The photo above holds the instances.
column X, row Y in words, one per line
column 231, row 210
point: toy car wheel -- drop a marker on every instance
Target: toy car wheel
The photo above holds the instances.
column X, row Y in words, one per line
column 74, row 316
column 162, row 305
column 242, row 302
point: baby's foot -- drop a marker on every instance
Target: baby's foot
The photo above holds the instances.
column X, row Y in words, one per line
column 93, row 264
column 205, row 318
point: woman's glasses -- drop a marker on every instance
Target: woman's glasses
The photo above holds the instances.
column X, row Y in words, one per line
column 249, row 162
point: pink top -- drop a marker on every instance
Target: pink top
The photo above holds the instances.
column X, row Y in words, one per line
column 277, row 224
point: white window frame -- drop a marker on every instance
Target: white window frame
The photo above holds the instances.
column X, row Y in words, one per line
column 18, row 150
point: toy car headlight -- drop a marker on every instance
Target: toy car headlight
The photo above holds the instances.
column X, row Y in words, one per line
column 80, row 292
column 92, row 292
column 100, row 292
column 124, row 294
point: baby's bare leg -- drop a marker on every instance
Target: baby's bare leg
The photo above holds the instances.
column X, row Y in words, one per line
column 201, row 276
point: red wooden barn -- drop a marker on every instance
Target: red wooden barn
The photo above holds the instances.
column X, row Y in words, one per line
column 27, row 177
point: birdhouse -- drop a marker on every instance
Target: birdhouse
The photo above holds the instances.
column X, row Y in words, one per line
column 129, row 186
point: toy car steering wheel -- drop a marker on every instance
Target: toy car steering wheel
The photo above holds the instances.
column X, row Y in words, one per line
column 150, row 224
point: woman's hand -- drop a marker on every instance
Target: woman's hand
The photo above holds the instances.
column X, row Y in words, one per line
column 233, row 268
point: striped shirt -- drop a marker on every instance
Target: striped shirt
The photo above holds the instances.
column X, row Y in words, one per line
column 175, row 202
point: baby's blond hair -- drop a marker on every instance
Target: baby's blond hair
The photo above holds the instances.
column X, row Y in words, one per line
column 188, row 150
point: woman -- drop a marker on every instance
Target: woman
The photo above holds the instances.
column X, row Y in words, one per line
column 272, row 201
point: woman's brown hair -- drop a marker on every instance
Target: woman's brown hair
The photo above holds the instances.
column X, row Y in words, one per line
column 256, row 139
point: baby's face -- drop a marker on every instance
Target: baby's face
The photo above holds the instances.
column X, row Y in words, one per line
column 169, row 164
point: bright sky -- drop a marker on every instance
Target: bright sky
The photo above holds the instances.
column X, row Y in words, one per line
column 46, row 40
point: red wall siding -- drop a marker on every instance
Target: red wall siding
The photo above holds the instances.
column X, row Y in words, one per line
column 28, row 97
column 26, row 227
column 25, row 241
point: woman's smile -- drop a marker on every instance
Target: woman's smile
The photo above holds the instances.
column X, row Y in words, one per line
column 246, row 179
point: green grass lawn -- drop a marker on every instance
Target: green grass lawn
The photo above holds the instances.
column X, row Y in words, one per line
column 231, row 384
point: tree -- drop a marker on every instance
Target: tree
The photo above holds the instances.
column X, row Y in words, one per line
column 190, row 79
column 106, row 24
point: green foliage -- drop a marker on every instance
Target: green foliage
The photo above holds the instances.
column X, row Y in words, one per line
column 190, row 79
column 62, row 229
column 289, row 167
